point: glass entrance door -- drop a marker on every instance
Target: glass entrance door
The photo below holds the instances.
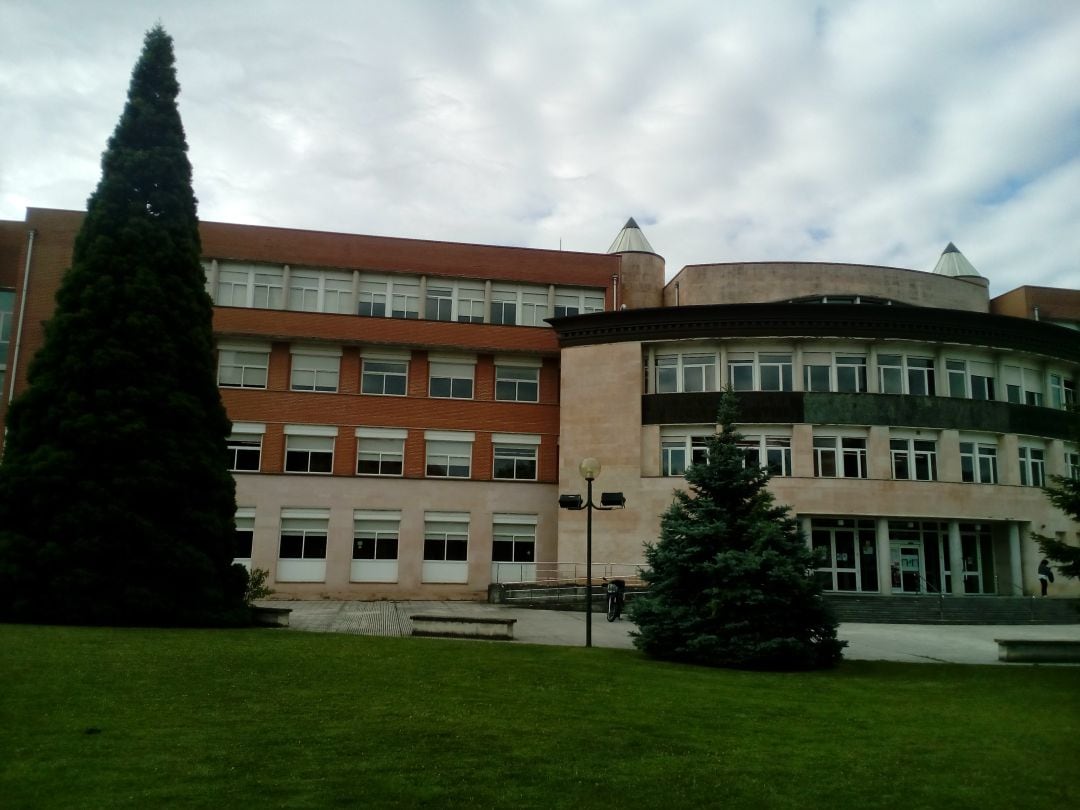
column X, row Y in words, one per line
column 906, row 565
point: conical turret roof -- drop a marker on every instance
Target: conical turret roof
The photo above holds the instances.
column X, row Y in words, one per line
column 953, row 263
column 630, row 240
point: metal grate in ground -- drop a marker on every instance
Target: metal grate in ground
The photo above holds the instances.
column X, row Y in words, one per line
column 372, row 619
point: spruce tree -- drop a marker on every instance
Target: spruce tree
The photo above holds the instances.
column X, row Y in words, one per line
column 1064, row 493
column 731, row 579
column 116, row 506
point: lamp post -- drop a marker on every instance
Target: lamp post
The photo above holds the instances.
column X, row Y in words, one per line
column 590, row 470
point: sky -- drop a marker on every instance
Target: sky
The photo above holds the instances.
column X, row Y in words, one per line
column 863, row 131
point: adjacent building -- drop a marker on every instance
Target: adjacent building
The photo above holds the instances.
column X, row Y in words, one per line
column 406, row 412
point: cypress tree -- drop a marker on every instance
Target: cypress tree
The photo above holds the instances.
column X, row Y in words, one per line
column 731, row 580
column 116, row 505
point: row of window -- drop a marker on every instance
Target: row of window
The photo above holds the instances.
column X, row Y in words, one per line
column 315, row 369
column 397, row 295
column 850, row 372
column 845, row 456
column 309, row 449
column 303, row 536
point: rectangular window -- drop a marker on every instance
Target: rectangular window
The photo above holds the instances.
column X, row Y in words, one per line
column 1023, row 385
column 309, row 449
column 978, row 462
column 891, row 373
column 771, row 452
column 839, row 457
column 514, row 462
column 404, row 299
column 250, row 286
column 245, row 534
column 1062, row 391
column 440, row 303
column 741, row 371
column 513, row 539
column 315, row 371
column 449, row 457
column 375, row 535
column 677, row 452
column 7, row 305
column 957, row 372
column 1072, row 465
column 470, row 304
column 667, row 373
column 914, row 459
column 576, row 302
column 242, row 368
column 450, row 380
column 817, row 371
column 504, row 305
column 534, row 308
column 1032, row 466
column 446, row 547
column 303, row 292
column 302, row 545
column 384, row 377
column 372, row 300
column 699, row 372
column 775, row 372
column 981, row 379
column 380, row 451
column 850, row 374
column 245, row 447
column 517, row 384
column 920, row 374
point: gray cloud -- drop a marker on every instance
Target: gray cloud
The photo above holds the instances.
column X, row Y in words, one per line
column 869, row 131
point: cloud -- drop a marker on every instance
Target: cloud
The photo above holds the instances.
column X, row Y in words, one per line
column 872, row 131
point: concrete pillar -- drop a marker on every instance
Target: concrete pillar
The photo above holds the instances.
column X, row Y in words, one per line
column 355, row 292
column 286, row 283
column 487, row 302
column 722, row 380
column 802, row 451
column 1008, row 451
column 422, row 314
column 873, row 385
column 550, row 304
column 1016, row 575
column 797, row 381
column 956, row 558
column 884, row 556
column 212, row 280
column 650, row 370
column 878, row 453
column 941, row 374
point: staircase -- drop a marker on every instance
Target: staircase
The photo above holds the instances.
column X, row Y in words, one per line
column 934, row 609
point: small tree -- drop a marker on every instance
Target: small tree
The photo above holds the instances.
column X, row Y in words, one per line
column 116, row 505
column 731, row 580
column 1064, row 493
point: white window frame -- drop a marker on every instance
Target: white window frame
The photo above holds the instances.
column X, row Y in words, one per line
column 445, row 528
column 244, row 521
column 683, row 445
column 313, row 527
column 528, row 374
column 257, row 290
column 399, row 371
column 320, row 365
column 912, row 452
column 444, row 448
column 842, row 447
column 982, row 452
column 457, row 373
column 314, row 442
column 518, row 449
column 908, row 367
column 520, row 532
column 1072, row 463
column 382, row 527
column 578, row 301
column 1062, row 390
column 252, row 360
column 384, row 446
column 759, row 362
column 246, row 437
column 770, row 446
column 1023, row 385
column 694, row 371
column 1032, row 459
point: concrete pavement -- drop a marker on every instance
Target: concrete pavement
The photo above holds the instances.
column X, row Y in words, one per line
column 961, row 644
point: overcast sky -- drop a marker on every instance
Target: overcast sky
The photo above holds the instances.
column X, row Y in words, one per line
column 870, row 131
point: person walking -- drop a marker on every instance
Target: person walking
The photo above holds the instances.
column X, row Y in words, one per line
column 1046, row 575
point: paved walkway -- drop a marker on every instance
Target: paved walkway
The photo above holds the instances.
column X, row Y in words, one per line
column 961, row 644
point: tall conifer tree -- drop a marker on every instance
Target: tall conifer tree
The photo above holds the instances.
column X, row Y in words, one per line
column 116, row 506
column 731, row 579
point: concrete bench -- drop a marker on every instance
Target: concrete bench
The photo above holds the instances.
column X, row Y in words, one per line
column 1031, row 650
column 457, row 626
column 271, row 616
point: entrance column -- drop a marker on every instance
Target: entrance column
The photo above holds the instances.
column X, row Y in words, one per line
column 1016, row 576
column 956, row 559
column 884, row 556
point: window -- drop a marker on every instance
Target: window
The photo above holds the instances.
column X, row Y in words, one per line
column 380, row 451
column 970, row 379
column 773, row 372
column 7, row 305
column 824, row 371
column 244, row 536
column 891, row 373
column 384, row 377
column 516, row 383
column 848, row 553
column 569, row 301
column 817, row 371
column 679, row 449
column 309, row 449
column 375, row 546
column 454, row 301
column 257, row 286
column 302, row 546
column 449, row 453
column 741, row 371
column 920, row 373
column 914, row 459
column 446, row 547
column 504, row 305
column 315, row 369
column 513, row 548
column 1022, row 386
column 450, row 380
column 957, row 373
column 440, row 303
column 898, row 374
column 839, row 457
column 1062, row 389
column 850, row 374
column 1032, row 466
column 405, row 299
column 304, row 292
column 245, row 447
column 771, row 452
column 686, row 372
column 243, row 367
column 372, row 300
column 514, row 457
column 978, row 462
column 1072, row 464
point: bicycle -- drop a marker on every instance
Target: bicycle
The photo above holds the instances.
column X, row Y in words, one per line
column 615, row 589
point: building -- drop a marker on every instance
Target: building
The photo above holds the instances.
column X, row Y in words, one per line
column 405, row 415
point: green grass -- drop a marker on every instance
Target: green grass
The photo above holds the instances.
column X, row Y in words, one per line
column 266, row 718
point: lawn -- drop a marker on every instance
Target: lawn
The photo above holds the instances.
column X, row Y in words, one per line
column 109, row 718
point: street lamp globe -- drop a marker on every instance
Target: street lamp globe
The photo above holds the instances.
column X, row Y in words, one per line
column 589, row 468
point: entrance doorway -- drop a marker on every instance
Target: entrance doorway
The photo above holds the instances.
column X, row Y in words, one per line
column 907, row 568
